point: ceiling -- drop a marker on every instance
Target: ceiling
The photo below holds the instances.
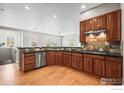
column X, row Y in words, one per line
column 67, row 14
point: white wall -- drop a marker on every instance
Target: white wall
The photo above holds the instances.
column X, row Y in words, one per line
column 102, row 9
column 122, row 7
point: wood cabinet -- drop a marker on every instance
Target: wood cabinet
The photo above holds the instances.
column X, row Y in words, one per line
column 113, row 68
column 88, row 63
column 90, row 25
column 94, row 64
column 28, row 61
column 67, row 59
column 99, row 65
column 51, row 58
column 82, row 31
column 114, row 26
column 59, row 58
column 96, row 23
column 110, row 21
column 100, row 22
column 77, row 61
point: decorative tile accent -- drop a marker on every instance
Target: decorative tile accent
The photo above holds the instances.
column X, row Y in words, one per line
column 96, row 41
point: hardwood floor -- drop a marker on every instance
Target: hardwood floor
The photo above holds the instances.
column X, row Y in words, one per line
column 49, row 75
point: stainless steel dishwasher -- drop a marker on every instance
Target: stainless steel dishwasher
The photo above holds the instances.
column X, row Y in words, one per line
column 40, row 59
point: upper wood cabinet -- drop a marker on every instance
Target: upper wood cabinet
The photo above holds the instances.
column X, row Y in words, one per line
column 110, row 21
column 90, row 25
column 100, row 22
column 114, row 26
column 77, row 61
column 51, row 58
column 96, row 23
column 82, row 30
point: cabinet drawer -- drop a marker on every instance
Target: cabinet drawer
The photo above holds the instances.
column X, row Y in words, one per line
column 88, row 56
column 29, row 54
column 76, row 54
column 113, row 60
column 29, row 67
column 67, row 53
column 102, row 58
column 29, row 62
column 30, row 58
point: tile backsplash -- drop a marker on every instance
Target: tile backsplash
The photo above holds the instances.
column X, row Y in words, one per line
column 97, row 42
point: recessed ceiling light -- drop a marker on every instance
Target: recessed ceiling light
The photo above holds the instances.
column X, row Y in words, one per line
column 26, row 7
column 55, row 16
column 83, row 6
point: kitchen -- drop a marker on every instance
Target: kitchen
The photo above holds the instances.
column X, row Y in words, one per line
column 84, row 49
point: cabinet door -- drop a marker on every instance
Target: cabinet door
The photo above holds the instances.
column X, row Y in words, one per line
column 67, row 59
column 90, row 25
column 59, row 58
column 100, row 22
column 77, row 61
column 99, row 67
column 88, row 64
column 82, row 31
column 51, row 58
column 114, row 26
column 113, row 68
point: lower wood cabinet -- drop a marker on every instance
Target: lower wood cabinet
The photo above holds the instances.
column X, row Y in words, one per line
column 28, row 61
column 94, row 64
column 67, row 59
column 108, row 67
column 51, row 58
column 113, row 68
column 77, row 61
column 99, row 65
column 59, row 58
column 88, row 63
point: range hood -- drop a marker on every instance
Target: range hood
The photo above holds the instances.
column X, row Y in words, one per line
column 95, row 32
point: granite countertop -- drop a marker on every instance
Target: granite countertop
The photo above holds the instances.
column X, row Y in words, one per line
column 74, row 51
